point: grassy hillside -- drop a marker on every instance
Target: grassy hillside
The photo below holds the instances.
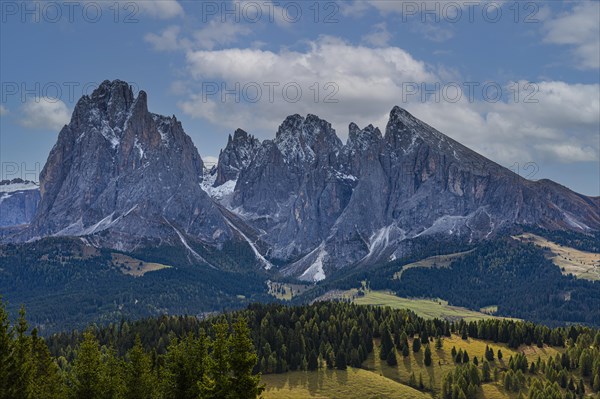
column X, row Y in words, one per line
column 378, row 380
column 426, row 308
column 432, row 261
column 351, row 383
column 443, row 363
column 580, row 263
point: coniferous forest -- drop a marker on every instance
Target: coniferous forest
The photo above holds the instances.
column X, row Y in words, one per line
column 224, row 356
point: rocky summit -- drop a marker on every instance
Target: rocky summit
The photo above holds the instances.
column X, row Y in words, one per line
column 128, row 179
column 323, row 205
column 125, row 177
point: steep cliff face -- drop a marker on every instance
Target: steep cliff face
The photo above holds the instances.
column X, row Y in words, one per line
column 18, row 202
column 125, row 176
column 323, row 205
column 236, row 156
column 290, row 190
column 127, row 179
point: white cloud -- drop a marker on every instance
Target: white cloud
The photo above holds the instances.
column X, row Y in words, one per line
column 368, row 80
column 210, row 160
column 167, row 40
column 432, row 31
column 3, row 110
column 215, row 34
column 379, row 37
column 163, row 9
column 218, row 33
column 45, row 113
column 580, row 29
column 563, row 125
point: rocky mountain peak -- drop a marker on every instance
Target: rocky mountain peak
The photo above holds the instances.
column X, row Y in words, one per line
column 291, row 125
column 122, row 171
column 362, row 138
column 241, row 135
column 238, row 154
column 302, row 140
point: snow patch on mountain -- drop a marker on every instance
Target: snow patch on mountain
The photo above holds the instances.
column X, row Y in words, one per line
column 315, row 272
column 14, row 186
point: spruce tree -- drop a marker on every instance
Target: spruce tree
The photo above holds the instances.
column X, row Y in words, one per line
column 416, row 345
column 217, row 383
column 185, row 366
column 486, row 372
column 86, row 375
column 140, row 382
column 427, row 358
column 405, row 351
column 243, row 358
column 391, row 359
column 7, row 366
column 340, row 360
column 46, row 380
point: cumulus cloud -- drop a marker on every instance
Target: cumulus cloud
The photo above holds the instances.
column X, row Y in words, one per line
column 215, row 34
column 45, row 113
column 578, row 28
column 562, row 125
column 218, row 33
column 163, row 9
column 167, row 40
column 339, row 80
column 379, row 37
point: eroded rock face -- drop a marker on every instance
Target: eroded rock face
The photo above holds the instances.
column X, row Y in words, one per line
column 290, row 189
column 19, row 200
column 125, row 176
column 324, row 205
column 236, row 156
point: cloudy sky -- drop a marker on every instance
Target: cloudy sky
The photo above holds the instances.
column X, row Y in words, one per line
column 518, row 82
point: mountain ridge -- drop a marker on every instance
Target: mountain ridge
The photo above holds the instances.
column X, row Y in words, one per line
column 126, row 179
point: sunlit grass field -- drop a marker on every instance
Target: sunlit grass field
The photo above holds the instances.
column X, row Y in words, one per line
column 378, row 380
column 426, row 308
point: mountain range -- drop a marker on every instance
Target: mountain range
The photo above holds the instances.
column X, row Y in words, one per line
column 303, row 204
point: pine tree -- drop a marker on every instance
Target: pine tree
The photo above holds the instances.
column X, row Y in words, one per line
column 46, row 380
column 243, row 384
column 140, row 382
column 416, row 345
column 21, row 354
column 391, row 359
column 485, row 371
column 185, row 367
column 113, row 381
column 427, row 358
column 405, row 351
column 7, row 367
column 439, row 344
column 313, row 361
column 499, row 354
column 86, row 377
column 340, row 360
column 216, row 384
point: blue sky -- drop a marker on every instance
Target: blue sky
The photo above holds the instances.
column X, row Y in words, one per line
column 518, row 82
